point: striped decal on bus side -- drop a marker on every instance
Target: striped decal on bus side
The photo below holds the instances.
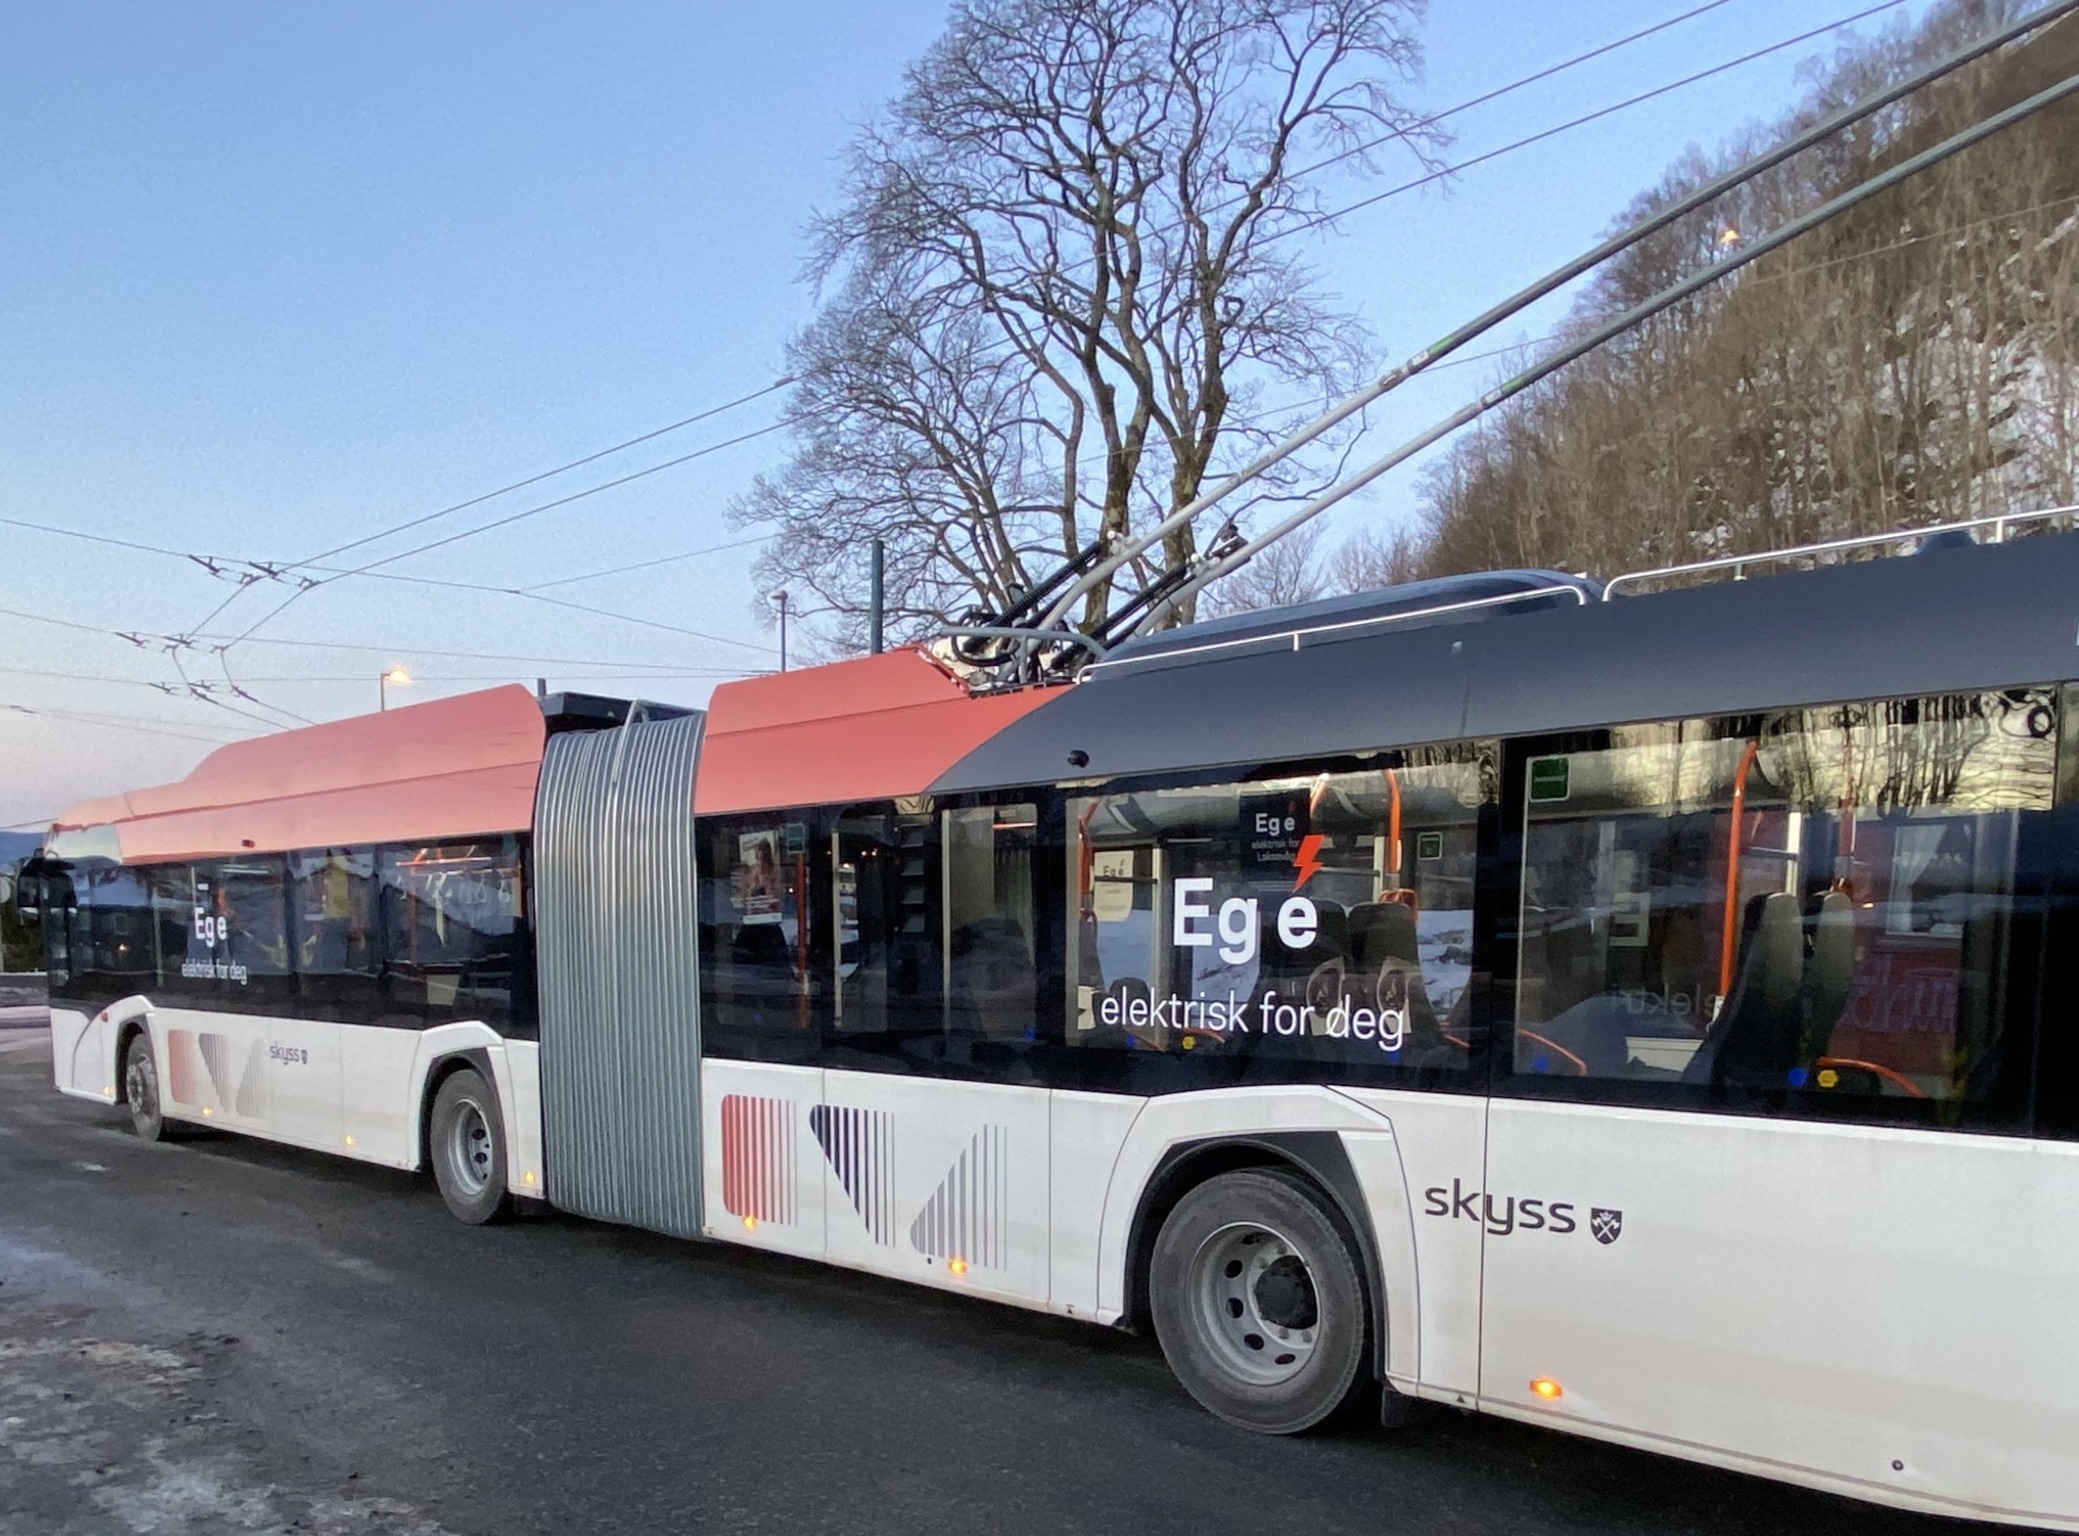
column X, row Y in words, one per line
column 758, row 1158
column 856, row 1143
column 968, row 1218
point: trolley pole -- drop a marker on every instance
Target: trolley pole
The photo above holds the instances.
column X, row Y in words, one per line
column 875, row 592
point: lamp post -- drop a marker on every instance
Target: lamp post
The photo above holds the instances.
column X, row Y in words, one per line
column 780, row 597
column 395, row 675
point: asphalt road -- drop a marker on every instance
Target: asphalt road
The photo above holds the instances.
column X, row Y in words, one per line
column 218, row 1335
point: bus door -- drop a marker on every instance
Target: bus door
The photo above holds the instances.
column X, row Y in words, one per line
column 932, row 1172
column 1773, row 987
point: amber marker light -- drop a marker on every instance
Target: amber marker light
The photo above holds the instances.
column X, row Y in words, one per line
column 750, row 1223
column 1546, row 1388
column 956, row 1267
column 350, row 1141
column 528, row 1176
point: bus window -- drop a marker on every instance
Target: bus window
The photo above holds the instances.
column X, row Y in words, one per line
column 991, row 978
column 59, row 918
column 172, row 895
column 255, row 898
column 452, row 923
column 1811, row 902
column 886, row 951
column 1323, row 916
column 121, row 957
column 765, row 957
column 338, row 952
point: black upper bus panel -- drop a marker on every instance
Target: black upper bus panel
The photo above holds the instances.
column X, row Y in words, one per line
column 1948, row 620
column 594, row 712
column 1445, row 593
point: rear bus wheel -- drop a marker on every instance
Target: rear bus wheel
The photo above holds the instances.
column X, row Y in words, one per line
column 141, row 1089
column 468, row 1149
column 1259, row 1303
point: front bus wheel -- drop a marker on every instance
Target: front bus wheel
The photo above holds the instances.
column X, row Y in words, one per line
column 1258, row 1302
column 468, row 1149
column 141, row 1089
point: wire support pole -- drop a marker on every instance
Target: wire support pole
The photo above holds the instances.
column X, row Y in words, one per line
column 1552, row 281
column 1667, row 298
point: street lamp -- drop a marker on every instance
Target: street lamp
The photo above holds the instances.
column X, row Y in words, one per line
column 396, row 675
column 780, row 597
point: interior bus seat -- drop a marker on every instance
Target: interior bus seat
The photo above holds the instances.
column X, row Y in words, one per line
column 1982, row 967
column 1576, row 966
column 1399, row 984
column 1590, row 1039
column 1756, row 1038
column 1290, row 972
column 1829, row 978
column 1332, row 927
column 994, row 982
column 1385, row 969
column 1382, row 930
column 1976, row 1048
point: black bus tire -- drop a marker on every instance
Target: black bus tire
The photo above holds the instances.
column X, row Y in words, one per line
column 1259, row 1302
column 466, row 1145
column 141, row 1089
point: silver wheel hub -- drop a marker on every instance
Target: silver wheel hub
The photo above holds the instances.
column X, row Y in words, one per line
column 140, row 1087
column 469, row 1149
column 1257, row 1301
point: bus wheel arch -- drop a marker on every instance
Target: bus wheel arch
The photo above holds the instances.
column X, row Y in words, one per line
column 127, row 1031
column 462, row 1129
column 1314, row 1162
column 137, row 1084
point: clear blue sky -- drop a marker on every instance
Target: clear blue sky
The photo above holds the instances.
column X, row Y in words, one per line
column 275, row 276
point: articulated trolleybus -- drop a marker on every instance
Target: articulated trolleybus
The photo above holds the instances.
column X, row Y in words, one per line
column 1656, row 1017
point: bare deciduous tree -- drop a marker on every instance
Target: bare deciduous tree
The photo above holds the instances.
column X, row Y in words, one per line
column 1289, row 571
column 1060, row 285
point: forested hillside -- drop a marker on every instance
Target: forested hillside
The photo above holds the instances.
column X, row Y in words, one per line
column 1916, row 361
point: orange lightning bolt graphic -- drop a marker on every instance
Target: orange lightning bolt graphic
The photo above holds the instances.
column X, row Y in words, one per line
column 1307, row 862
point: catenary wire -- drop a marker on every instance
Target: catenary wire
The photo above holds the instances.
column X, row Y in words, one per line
column 549, row 474
column 115, row 723
column 1317, row 220
column 1469, row 104
column 535, row 511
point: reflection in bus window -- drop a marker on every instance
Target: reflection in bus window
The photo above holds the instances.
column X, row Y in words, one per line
column 991, row 980
column 120, row 954
column 333, row 893
column 1324, row 916
column 764, row 955
column 889, row 961
column 1813, row 901
column 252, row 897
column 452, row 918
